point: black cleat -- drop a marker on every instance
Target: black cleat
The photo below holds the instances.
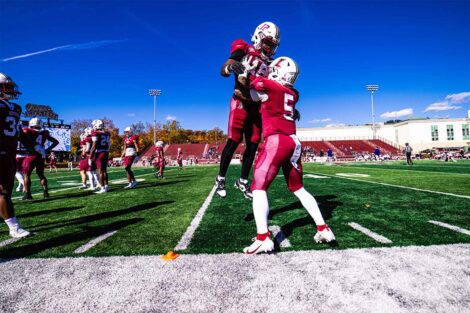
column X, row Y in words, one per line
column 220, row 187
column 46, row 195
column 27, row 196
column 244, row 188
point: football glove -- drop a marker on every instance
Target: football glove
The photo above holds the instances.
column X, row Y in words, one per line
column 236, row 68
column 40, row 150
column 296, row 115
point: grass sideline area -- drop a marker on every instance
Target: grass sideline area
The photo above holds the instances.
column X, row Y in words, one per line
column 151, row 219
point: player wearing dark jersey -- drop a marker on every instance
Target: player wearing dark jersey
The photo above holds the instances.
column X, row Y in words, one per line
column 100, row 152
column 129, row 154
column 281, row 149
column 10, row 133
column 35, row 160
column 244, row 118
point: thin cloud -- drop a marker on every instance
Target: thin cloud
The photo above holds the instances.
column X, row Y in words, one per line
column 335, row 125
column 396, row 114
column 320, row 120
column 459, row 98
column 441, row 106
column 449, row 102
column 170, row 118
column 76, row 46
column 131, row 114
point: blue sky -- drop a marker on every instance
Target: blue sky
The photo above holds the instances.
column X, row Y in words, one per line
column 99, row 58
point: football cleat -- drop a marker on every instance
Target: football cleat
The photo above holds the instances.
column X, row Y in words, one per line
column 260, row 246
column 133, row 184
column 46, row 195
column 244, row 188
column 19, row 232
column 27, row 196
column 102, row 190
column 325, row 235
column 19, row 188
column 128, row 186
column 82, row 187
column 220, row 187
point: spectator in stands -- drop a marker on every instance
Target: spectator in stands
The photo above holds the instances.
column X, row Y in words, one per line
column 377, row 153
column 408, row 151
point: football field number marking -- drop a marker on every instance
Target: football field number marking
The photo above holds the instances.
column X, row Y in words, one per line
column 370, row 233
column 451, row 227
column 94, row 242
column 188, row 235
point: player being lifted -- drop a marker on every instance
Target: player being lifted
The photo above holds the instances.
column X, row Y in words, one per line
column 10, row 133
column 35, row 160
column 244, row 118
column 101, row 140
column 281, row 149
column 129, row 153
column 159, row 159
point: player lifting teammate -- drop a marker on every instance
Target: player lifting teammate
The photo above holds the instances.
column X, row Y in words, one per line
column 35, row 160
column 244, row 118
column 129, row 153
column 281, row 149
column 10, row 133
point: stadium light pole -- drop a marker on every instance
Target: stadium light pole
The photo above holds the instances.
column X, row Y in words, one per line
column 372, row 89
column 154, row 93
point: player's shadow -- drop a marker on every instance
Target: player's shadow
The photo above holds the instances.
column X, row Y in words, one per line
column 84, row 234
column 45, row 212
column 98, row 216
column 324, row 202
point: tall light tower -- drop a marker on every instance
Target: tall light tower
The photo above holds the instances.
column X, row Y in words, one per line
column 372, row 89
column 155, row 93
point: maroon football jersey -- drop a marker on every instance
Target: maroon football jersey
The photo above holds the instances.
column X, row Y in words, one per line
column 277, row 111
column 9, row 125
column 179, row 156
column 130, row 141
column 102, row 139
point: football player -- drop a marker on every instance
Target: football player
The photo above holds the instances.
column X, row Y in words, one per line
column 179, row 159
column 244, row 118
column 35, row 160
column 87, row 166
column 129, row 153
column 52, row 162
column 159, row 159
column 99, row 153
column 10, row 133
column 281, row 149
column 20, row 155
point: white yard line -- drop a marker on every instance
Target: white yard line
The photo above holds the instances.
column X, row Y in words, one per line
column 8, row 242
column 279, row 236
column 370, row 233
column 451, row 227
column 398, row 186
column 70, row 188
column 188, row 235
column 94, row 242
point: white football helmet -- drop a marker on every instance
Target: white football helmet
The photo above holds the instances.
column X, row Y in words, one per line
column 35, row 123
column 128, row 129
column 159, row 143
column 97, row 124
column 283, row 70
column 88, row 131
column 8, row 88
column 266, row 38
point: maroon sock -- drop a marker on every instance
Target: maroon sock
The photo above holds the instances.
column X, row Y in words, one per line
column 321, row 227
column 262, row 237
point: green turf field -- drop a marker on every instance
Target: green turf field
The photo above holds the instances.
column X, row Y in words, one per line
column 152, row 218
